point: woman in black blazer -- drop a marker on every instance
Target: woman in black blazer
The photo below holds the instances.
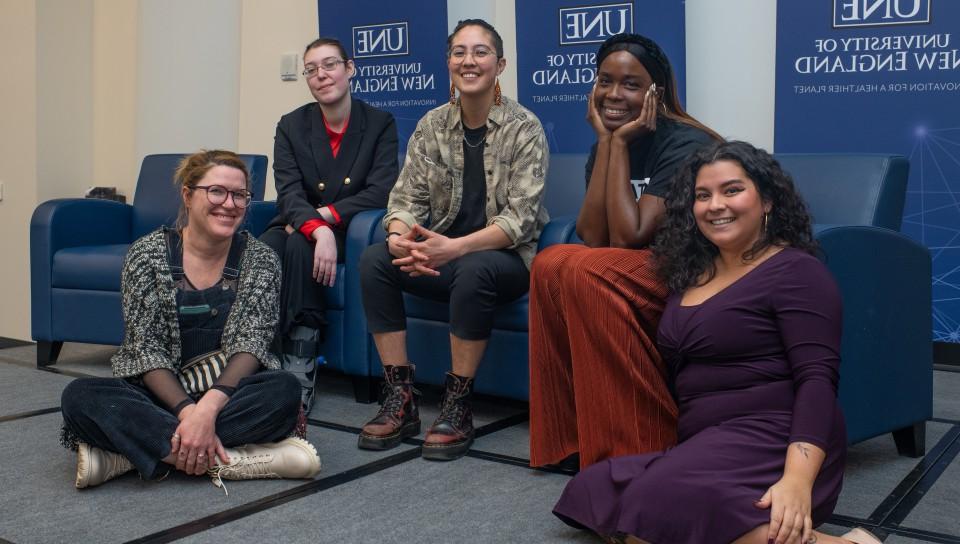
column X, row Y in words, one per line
column 332, row 159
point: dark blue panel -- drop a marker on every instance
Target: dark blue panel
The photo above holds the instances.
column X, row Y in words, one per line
column 557, row 41
column 399, row 52
column 882, row 76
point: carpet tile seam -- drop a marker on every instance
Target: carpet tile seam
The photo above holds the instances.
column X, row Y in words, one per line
column 50, row 369
column 32, row 413
column 926, row 536
column 278, row 499
column 266, row 503
column 902, row 490
column 944, row 420
column 926, row 482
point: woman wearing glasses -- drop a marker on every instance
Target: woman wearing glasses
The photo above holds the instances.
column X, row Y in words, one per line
column 196, row 386
column 594, row 308
column 462, row 227
column 332, row 159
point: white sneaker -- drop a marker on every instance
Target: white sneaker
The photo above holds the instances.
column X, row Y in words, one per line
column 290, row 458
column 95, row 466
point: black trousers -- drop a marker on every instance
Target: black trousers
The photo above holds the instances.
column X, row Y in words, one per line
column 301, row 297
column 116, row 415
column 474, row 285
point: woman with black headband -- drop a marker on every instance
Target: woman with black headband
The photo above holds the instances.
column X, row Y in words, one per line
column 594, row 309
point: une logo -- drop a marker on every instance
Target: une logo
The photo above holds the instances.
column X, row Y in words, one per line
column 847, row 13
column 382, row 40
column 594, row 24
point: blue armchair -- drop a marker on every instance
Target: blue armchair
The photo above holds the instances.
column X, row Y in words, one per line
column 77, row 248
column 886, row 374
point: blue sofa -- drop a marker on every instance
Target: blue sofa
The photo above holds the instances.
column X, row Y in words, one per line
column 504, row 370
column 884, row 277
column 77, row 248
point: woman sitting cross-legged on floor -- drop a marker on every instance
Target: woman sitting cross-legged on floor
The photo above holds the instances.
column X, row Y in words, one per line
column 751, row 337
column 475, row 171
column 195, row 386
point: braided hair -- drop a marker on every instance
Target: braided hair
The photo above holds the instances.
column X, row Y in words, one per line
column 652, row 57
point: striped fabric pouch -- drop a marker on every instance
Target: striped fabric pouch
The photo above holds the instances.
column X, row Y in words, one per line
column 200, row 373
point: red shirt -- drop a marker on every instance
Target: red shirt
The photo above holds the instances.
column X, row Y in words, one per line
column 313, row 224
column 335, row 137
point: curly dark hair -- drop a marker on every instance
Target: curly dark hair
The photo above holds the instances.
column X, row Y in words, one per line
column 685, row 256
column 655, row 61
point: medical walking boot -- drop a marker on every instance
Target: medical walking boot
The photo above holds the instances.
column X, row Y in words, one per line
column 298, row 356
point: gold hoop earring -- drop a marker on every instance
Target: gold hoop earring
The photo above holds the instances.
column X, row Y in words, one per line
column 453, row 94
column 766, row 222
column 497, row 95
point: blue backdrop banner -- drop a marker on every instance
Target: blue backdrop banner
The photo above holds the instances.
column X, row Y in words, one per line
column 400, row 54
column 882, row 76
column 557, row 42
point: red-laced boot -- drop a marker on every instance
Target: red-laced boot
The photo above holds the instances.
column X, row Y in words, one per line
column 451, row 434
column 399, row 415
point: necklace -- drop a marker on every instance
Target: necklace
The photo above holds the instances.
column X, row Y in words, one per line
column 478, row 144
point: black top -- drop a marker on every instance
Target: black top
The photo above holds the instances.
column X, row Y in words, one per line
column 654, row 160
column 472, row 216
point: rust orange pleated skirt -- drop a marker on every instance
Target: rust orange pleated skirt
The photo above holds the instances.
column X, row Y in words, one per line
column 597, row 382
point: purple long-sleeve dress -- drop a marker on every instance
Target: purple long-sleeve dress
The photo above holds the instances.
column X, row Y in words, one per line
column 756, row 369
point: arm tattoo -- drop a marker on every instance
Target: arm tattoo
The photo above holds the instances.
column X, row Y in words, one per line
column 804, row 450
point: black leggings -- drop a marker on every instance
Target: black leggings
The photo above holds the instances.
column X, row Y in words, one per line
column 116, row 415
column 473, row 285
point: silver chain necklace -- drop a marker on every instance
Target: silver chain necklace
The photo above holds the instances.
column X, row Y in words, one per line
column 478, row 144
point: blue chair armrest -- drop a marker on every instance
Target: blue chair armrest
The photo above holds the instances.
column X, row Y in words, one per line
column 560, row 230
column 63, row 223
column 364, row 231
column 886, row 372
column 259, row 215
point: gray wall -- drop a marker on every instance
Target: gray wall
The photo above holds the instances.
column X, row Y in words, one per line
column 189, row 75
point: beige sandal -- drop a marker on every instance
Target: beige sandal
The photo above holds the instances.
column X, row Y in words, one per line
column 861, row 536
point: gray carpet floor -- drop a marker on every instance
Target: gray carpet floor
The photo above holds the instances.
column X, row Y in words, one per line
column 491, row 496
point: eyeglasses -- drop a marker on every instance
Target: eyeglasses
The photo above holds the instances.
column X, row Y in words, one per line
column 328, row 64
column 217, row 195
column 459, row 54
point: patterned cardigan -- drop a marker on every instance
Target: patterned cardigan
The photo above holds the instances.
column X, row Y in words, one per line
column 515, row 160
column 152, row 336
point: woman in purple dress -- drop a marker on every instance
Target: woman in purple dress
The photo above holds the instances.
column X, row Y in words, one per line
column 751, row 335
